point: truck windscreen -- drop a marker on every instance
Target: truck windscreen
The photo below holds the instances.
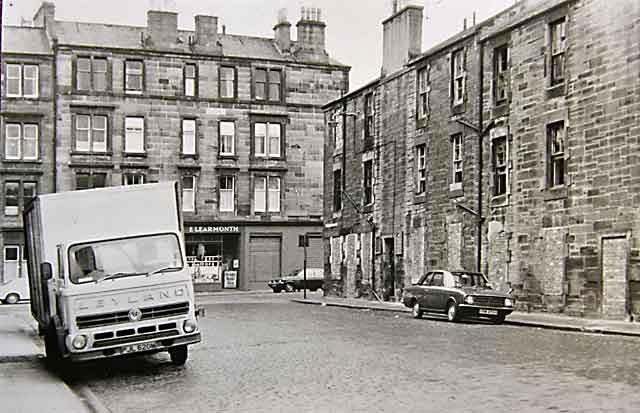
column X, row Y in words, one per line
column 94, row 261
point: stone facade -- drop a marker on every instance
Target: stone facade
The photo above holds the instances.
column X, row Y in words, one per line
column 515, row 149
column 171, row 84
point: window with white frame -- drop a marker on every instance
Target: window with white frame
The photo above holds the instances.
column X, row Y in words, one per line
column 267, row 137
column 134, row 76
column 367, row 182
column 133, row 135
column 89, row 180
column 21, row 141
column 22, row 80
column 227, row 193
column 190, row 79
column 133, row 178
column 458, row 76
column 227, row 137
column 189, row 193
column 266, row 194
column 456, row 161
column 558, row 40
column 227, row 82
column 267, row 84
column 11, row 198
column 421, row 167
column 499, row 156
column 556, row 160
column 188, row 136
column 91, row 73
column 500, row 79
column 90, row 133
column 424, row 88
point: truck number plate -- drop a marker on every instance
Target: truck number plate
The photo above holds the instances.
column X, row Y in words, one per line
column 134, row 348
column 488, row 312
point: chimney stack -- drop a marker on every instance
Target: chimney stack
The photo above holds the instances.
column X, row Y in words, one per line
column 282, row 32
column 162, row 28
column 310, row 31
column 206, row 34
column 402, row 37
column 45, row 17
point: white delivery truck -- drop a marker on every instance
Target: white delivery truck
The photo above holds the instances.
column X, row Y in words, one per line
column 108, row 273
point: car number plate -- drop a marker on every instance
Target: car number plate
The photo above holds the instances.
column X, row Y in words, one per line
column 135, row 348
column 487, row 312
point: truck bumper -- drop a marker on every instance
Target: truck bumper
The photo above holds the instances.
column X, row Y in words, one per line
column 144, row 347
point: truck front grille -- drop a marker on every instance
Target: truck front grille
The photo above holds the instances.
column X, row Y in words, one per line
column 134, row 338
column 488, row 301
column 119, row 317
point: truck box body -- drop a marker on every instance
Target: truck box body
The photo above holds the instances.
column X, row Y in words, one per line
column 121, row 304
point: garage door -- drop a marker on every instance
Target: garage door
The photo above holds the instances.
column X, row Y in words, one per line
column 314, row 253
column 264, row 258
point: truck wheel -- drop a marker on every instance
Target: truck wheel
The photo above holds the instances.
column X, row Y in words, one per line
column 179, row 355
column 290, row 288
column 11, row 298
column 52, row 350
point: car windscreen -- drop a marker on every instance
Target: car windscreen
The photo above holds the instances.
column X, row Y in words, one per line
column 465, row 279
column 144, row 255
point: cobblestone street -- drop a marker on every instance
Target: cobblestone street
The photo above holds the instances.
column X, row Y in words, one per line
column 265, row 353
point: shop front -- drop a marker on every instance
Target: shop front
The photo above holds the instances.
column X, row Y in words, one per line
column 213, row 256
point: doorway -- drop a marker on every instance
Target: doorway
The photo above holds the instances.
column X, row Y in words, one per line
column 389, row 270
column 614, row 276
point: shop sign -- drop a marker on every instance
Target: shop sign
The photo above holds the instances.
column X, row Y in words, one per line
column 213, row 229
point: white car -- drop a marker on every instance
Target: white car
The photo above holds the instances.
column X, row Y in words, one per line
column 14, row 290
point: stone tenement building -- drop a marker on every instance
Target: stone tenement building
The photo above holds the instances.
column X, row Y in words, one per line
column 236, row 120
column 512, row 148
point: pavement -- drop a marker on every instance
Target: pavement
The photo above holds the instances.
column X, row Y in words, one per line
column 26, row 385
column 518, row 318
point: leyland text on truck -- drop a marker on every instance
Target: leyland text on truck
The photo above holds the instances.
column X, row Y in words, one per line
column 108, row 274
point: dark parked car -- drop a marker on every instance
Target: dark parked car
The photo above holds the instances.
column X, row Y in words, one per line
column 294, row 281
column 457, row 295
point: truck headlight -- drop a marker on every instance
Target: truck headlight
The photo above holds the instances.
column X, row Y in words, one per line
column 508, row 302
column 468, row 299
column 189, row 326
column 79, row 342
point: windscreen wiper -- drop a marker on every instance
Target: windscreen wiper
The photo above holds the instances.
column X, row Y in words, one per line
column 162, row 269
column 118, row 275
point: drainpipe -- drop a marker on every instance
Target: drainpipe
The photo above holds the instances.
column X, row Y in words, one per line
column 54, row 80
column 480, row 163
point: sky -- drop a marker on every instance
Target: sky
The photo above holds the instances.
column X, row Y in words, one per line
column 353, row 27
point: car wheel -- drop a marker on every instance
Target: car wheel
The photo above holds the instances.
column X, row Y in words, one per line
column 290, row 288
column 12, row 298
column 452, row 312
column 416, row 311
column 179, row 355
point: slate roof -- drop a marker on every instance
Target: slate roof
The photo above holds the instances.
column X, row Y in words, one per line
column 32, row 40
column 129, row 37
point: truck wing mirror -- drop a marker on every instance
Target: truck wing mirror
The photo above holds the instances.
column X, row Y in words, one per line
column 46, row 271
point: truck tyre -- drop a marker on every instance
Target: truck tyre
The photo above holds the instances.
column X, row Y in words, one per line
column 11, row 298
column 179, row 355
column 52, row 350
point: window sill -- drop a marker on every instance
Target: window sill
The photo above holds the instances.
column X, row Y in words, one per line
column 135, row 154
column 555, row 193
column 555, row 90
column 455, row 191
column 133, row 92
column 419, row 198
column 19, row 97
column 499, row 200
column 25, row 161
column 79, row 153
column 457, row 108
